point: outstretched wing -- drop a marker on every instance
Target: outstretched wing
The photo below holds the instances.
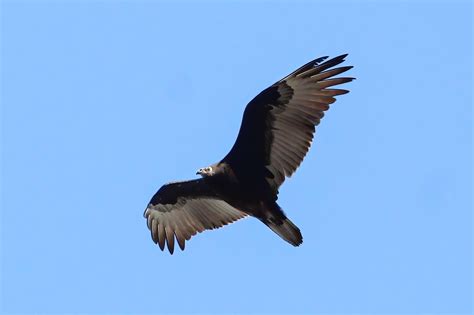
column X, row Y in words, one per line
column 278, row 124
column 180, row 210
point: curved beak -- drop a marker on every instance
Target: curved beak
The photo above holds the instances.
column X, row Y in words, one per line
column 199, row 172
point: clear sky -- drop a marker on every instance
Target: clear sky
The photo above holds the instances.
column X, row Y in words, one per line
column 104, row 101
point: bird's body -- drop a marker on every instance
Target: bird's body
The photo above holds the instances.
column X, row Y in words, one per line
column 276, row 133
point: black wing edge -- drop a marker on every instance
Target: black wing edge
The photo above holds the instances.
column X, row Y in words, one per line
column 318, row 62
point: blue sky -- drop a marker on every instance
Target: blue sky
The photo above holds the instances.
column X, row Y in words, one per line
column 103, row 102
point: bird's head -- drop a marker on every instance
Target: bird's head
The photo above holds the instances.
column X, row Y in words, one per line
column 205, row 171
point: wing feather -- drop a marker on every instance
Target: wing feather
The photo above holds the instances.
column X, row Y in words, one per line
column 160, row 236
column 279, row 124
column 181, row 210
column 169, row 231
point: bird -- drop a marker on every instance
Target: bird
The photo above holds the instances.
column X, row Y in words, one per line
column 275, row 135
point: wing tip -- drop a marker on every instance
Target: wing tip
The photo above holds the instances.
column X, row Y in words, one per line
column 343, row 56
column 340, row 58
column 319, row 60
column 181, row 243
column 336, row 60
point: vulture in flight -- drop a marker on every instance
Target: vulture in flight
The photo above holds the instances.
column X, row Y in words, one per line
column 276, row 132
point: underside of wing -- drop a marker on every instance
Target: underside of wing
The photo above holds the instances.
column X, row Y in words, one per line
column 278, row 125
column 179, row 211
column 307, row 93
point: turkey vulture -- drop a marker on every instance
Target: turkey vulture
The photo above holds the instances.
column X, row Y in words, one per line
column 275, row 135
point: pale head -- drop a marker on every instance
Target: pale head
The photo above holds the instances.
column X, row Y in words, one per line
column 206, row 171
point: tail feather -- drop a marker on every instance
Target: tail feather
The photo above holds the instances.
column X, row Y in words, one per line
column 286, row 229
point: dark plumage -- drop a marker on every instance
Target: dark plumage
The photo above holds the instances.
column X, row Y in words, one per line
column 275, row 135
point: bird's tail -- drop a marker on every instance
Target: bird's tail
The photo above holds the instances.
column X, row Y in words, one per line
column 281, row 225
